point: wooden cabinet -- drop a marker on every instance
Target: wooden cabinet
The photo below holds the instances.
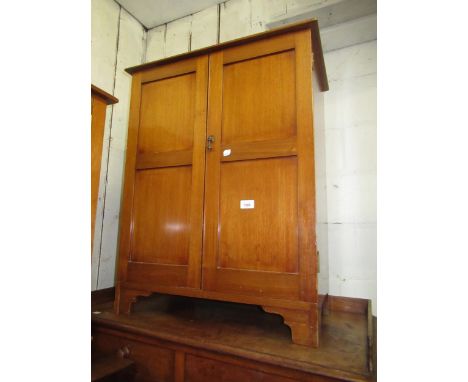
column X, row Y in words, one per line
column 99, row 101
column 219, row 197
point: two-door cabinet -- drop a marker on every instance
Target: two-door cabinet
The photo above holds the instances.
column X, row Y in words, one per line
column 219, row 197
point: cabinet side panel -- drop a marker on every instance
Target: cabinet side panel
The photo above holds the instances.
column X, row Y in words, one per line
column 306, row 169
column 98, row 119
column 130, row 162
column 320, row 187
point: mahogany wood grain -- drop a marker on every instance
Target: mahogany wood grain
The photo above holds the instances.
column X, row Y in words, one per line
column 259, row 149
column 236, row 336
column 373, row 350
column 161, row 225
column 105, row 96
column 255, row 298
column 319, row 62
column 213, row 165
column 126, row 298
column 254, row 251
column 198, row 175
column 200, row 369
column 347, row 304
column 153, row 363
column 303, row 324
column 99, row 101
column 176, row 69
column 263, row 238
column 126, row 226
column 305, row 168
column 251, row 371
column 164, row 179
column 184, row 229
column 170, row 159
column 275, row 285
column 310, row 24
column 371, row 346
column 258, row 96
column 179, row 372
column 276, row 45
column 160, row 274
column 98, row 119
column 167, row 115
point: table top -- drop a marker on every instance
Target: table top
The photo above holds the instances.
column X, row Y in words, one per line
column 247, row 331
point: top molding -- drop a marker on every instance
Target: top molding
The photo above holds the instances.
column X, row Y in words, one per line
column 108, row 98
column 311, row 24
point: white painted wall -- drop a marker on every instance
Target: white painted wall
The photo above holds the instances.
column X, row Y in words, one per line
column 349, row 229
column 351, row 138
column 118, row 41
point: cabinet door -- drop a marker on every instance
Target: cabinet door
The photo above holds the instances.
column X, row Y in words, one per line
column 98, row 120
column 259, row 201
column 163, row 210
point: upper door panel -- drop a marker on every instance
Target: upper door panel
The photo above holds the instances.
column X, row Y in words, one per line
column 259, row 99
column 167, row 114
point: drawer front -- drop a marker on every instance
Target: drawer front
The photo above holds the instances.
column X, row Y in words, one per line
column 200, row 369
column 152, row 363
column 155, row 363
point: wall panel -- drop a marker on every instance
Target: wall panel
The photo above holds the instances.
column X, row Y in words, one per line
column 205, row 28
column 128, row 49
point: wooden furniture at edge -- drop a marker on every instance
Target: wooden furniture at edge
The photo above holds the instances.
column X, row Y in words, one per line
column 173, row 338
column 99, row 101
column 219, row 197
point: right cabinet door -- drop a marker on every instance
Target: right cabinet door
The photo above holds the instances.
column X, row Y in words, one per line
column 259, row 191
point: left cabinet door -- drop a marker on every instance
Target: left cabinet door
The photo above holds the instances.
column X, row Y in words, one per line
column 162, row 210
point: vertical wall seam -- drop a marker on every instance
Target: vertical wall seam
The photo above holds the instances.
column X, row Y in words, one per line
column 250, row 16
column 219, row 23
column 108, row 149
column 165, row 35
column 190, row 34
column 144, row 45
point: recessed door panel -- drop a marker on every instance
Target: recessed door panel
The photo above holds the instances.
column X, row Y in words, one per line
column 259, row 98
column 167, row 114
column 258, row 215
column 161, row 224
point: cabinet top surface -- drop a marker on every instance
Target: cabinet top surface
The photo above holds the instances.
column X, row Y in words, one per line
column 311, row 24
column 108, row 98
column 246, row 331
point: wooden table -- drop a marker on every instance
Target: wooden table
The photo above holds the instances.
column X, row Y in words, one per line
column 174, row 338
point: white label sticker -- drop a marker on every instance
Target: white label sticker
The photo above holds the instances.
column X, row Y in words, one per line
column 226, row 152
column 247, row 204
